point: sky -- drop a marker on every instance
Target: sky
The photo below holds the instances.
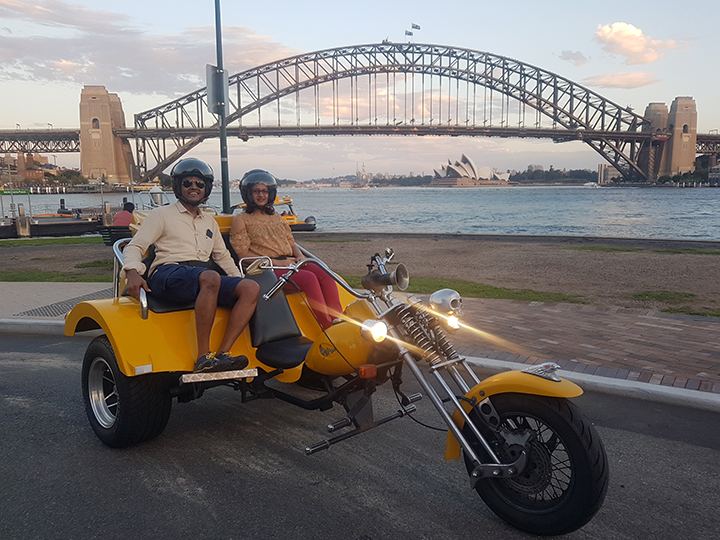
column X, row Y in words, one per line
column 150, row 52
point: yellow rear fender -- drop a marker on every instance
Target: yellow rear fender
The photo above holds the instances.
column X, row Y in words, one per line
column 162, row 342
column 516, row 382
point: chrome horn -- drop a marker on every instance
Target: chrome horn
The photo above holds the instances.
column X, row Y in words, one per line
column 376, row 282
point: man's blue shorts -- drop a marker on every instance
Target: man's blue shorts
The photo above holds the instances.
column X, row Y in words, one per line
column 180, row 283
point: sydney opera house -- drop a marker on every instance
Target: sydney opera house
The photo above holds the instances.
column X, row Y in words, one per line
column 465, row 173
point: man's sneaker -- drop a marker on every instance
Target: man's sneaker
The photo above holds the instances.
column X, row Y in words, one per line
column 212, row 362
column 235, row 362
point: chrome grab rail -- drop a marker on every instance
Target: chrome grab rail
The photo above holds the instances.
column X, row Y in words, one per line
column 118, row 264
column 117, row 267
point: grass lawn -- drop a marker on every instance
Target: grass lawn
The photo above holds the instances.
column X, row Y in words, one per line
column 16, row 242
column 470, row 289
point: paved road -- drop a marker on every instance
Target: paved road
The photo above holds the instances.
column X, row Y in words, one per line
column 223, row 469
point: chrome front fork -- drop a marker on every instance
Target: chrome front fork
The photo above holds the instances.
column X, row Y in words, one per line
column 493, row 469
column 437, row 401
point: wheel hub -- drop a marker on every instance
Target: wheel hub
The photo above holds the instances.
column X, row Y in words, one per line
column 537, row 474
column 102, row 392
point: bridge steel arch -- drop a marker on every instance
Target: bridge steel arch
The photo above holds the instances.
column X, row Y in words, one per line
column 615, row 132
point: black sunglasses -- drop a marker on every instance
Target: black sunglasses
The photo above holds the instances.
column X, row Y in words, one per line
column 198, row 183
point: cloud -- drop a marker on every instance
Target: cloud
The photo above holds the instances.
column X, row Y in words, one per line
column 622, row 79
column 576, row 58
column 626, row 40
column 66, row 43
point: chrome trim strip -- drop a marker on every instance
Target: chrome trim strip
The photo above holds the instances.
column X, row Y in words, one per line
column 218, row 375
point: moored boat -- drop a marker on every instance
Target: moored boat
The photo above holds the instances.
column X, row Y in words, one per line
column 62, row 225
column 7, row 228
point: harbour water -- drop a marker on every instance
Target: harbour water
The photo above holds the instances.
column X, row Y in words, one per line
column 690, row 213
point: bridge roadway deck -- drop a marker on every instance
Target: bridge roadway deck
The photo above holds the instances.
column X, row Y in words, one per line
column 642, row 346
column 68, row 140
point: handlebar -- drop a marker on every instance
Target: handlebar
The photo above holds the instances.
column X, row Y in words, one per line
column 275, row 288
column 293, row 268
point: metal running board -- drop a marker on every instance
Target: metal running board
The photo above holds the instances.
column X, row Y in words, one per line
column 218, row 375
column 324, row 445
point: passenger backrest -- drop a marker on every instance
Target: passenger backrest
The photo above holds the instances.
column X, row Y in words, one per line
column 226, row 238
column 272, row 320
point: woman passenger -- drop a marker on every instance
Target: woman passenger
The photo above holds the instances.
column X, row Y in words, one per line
column 260, row 231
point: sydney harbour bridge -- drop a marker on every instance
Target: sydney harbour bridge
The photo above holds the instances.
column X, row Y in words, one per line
column 387, row 89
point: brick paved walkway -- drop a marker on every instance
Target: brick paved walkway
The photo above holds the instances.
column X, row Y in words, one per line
column 633, row 344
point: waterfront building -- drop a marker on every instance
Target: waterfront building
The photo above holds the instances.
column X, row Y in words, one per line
column 465, row 173
column 714, row 175
column 607, row 173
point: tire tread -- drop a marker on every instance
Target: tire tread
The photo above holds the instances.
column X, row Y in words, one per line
column 563, row 520
column 145, row 401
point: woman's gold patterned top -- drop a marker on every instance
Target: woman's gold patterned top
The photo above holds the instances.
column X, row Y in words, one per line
column 262, row 234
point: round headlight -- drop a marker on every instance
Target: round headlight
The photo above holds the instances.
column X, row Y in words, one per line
column 373, row 330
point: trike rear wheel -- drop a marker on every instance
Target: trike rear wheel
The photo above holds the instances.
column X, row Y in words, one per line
column 122, row 410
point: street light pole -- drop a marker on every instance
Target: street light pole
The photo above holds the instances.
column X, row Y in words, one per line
column 223, row 126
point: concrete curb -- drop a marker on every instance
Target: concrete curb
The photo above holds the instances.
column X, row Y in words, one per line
column 489, row 366
column 32, row 326
column 619, row 387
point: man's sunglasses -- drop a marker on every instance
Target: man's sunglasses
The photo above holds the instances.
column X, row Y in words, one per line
column 188, row 183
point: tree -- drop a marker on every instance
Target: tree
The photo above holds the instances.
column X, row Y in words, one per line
column 72, row 177
column 165, row 180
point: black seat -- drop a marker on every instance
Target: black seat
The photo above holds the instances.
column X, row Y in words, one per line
column 163, row 305
column 226, row 238
column 273, row 329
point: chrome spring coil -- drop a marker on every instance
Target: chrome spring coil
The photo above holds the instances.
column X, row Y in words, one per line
column 446, row 348
column 418, row 335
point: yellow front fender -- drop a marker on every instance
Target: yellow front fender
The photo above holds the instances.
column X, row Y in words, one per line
column 507, row 382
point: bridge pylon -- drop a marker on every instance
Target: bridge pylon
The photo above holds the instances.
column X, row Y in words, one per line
column 102, row 153
column 673, row 150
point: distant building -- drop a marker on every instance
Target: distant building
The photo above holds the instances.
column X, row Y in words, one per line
column 607, row 173
column 603, row 173
column 714, row 175
column 465, row 173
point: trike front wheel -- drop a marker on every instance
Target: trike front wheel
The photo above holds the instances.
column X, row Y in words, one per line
column 565, row 479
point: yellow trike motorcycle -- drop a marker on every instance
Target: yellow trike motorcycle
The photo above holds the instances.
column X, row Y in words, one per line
column 531, row 455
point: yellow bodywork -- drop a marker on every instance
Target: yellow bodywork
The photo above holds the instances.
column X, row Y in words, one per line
column 342, row 349
column 167, row 341
column 508, row 382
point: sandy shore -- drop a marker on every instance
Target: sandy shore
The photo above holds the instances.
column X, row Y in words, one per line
column 549, row 264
